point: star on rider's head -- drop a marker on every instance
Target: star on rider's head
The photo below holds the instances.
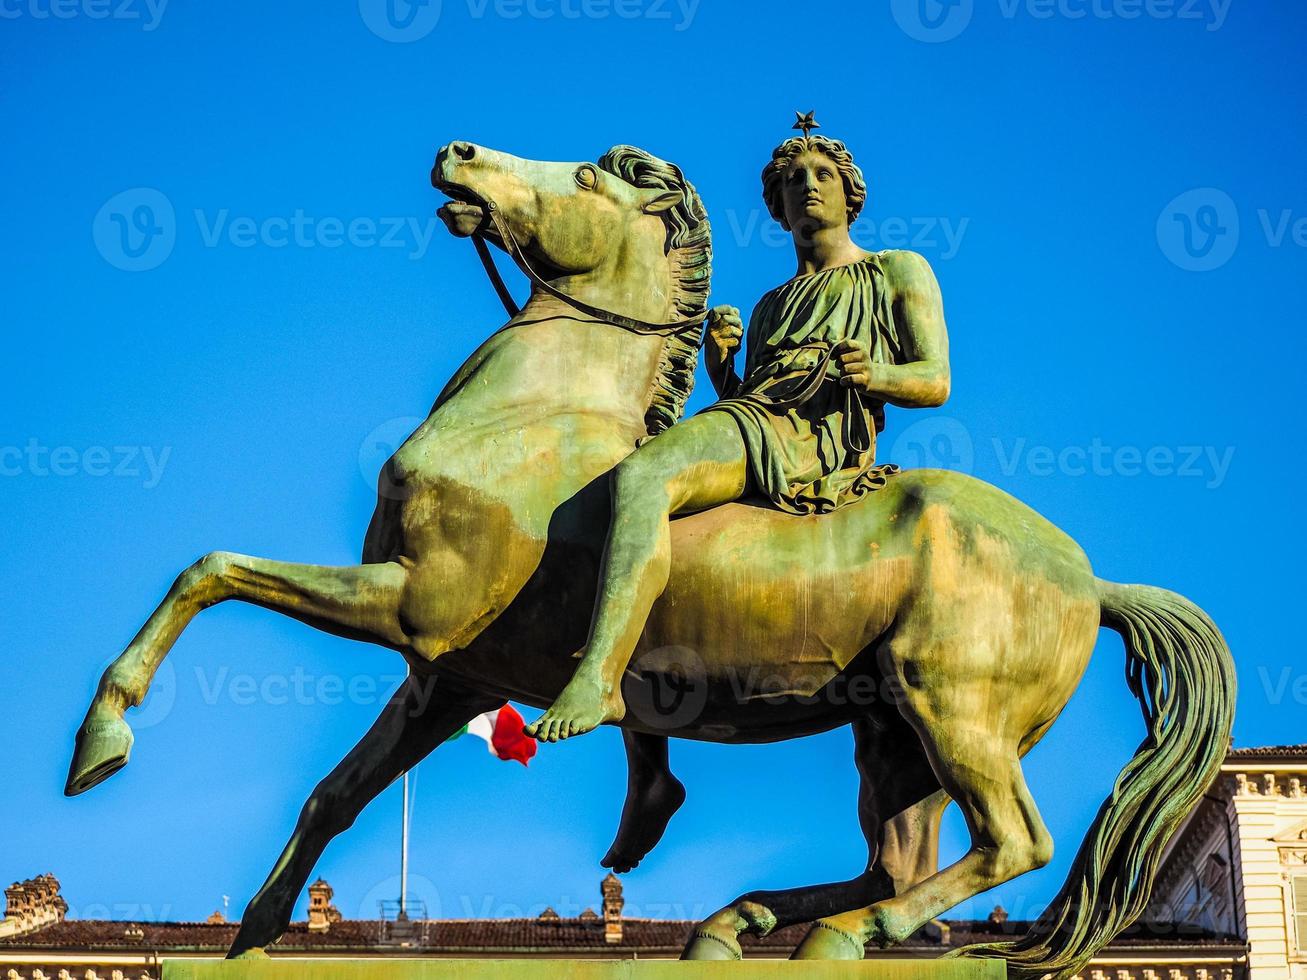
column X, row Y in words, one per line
column 806, row 122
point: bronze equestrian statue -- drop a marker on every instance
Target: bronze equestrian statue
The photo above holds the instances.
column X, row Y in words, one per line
column 969, row 616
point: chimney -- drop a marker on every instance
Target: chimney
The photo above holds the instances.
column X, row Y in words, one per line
column 321, row 912
column 613, row 902
column 31, row 905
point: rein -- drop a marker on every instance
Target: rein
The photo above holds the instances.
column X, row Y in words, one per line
column 519, row 258
column 794, row 392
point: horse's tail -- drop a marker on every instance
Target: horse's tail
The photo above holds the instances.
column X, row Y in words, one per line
column 1180, row 669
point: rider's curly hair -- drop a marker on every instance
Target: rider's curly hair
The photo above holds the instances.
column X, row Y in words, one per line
column 855, row 185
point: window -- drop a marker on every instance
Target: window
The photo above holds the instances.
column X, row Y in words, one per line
column 1298, row 888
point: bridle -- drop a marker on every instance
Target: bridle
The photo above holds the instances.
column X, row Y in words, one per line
column 519, row 258
column 799, row 391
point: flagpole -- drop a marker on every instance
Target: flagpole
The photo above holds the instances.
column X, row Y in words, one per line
column 403, row 857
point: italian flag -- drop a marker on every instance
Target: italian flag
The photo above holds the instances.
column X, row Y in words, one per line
column 501, row 730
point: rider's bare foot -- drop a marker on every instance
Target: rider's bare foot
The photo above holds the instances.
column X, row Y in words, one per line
column 584, row 705
column 649, row 806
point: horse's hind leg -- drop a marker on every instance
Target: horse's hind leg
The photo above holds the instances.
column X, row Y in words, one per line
column 653, row 795
column 359, row 602
column 980, row 768
column 899, row 806
column 421, row 715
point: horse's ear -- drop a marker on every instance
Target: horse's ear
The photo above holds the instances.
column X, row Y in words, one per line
column 658, row 200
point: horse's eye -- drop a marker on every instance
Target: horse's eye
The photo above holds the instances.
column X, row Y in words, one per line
column 586, row 176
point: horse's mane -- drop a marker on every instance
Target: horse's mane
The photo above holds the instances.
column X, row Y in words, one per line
column 689, row 248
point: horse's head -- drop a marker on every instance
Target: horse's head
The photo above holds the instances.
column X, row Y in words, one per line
column 627, row 233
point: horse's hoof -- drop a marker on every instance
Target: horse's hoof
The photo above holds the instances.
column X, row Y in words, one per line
column 827, row 942
column 708, row 945
column 103, row 746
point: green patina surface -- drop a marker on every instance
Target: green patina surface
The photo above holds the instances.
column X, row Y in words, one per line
column 578, row 970
column 948, row 623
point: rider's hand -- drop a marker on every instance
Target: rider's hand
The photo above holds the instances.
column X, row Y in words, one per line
column 725, row 329
column 854, row 362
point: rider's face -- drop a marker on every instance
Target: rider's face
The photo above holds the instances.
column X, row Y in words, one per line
column 813, row 193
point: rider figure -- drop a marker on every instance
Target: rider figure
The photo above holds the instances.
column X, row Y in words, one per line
column 826, row 350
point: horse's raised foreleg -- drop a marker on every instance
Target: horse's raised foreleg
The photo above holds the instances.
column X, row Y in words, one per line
column 899, row 806
column 422, row 714
column 653, row 794
column 360, row 602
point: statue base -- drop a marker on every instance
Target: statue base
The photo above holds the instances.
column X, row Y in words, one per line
column 396, row 968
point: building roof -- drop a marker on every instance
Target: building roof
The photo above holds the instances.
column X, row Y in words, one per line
column 483, row 935
column 1268, row 753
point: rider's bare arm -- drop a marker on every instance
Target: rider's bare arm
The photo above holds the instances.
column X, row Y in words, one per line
column 923, row 380
column 725, row 330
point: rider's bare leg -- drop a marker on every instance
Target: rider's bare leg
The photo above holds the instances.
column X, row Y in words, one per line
column 653, row 794
column 694, row 465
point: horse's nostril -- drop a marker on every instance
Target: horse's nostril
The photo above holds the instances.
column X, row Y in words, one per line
column 464, row 151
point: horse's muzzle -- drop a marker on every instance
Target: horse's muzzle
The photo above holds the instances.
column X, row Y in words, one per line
column 448, row 158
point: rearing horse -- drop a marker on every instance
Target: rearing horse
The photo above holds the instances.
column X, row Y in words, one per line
column 973, row 612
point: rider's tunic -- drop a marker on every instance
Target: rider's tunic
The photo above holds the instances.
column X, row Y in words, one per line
column 815, row 453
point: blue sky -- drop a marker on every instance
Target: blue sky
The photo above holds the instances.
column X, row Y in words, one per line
column 1111, row 193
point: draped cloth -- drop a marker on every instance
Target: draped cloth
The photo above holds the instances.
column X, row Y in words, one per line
column 817, row 451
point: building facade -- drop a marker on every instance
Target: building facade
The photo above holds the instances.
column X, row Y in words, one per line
column 1239, row 864
column 1230, row 904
